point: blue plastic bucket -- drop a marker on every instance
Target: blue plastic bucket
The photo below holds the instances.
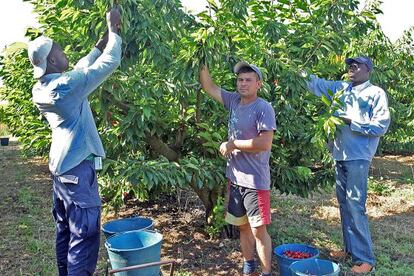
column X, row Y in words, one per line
column 314, row 267
column 126, row 224
column 284, row 262
column 4, row 141
column 134, row 248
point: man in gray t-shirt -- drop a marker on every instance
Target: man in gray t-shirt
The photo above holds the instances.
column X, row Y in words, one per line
column 250, row 134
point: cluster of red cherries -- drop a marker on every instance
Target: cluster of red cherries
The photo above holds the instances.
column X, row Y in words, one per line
column 297, row 254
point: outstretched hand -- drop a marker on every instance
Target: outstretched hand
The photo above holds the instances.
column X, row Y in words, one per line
column 113, row 19
column 101, row 44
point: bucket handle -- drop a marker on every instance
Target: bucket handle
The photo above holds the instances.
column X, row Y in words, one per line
column 172, row 264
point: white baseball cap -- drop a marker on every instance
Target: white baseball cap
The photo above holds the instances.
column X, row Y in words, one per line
column 38, row 51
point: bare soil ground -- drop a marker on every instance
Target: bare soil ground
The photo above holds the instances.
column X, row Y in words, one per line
column 26, row 242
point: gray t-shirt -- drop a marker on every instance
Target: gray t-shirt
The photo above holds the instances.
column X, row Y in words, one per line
column 248, row 169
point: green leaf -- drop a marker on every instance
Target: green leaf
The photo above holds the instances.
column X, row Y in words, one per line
column 326, row 101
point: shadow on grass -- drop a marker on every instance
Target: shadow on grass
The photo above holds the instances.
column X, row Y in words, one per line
column 397, row 167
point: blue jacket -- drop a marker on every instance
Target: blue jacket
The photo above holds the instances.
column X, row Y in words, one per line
column 63, row 99
column 367, row 106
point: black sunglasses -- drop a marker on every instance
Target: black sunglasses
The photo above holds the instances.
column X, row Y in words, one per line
column 354, row 66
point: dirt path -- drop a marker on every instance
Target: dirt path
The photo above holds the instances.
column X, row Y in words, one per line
column 27, row 230
column 26, row 243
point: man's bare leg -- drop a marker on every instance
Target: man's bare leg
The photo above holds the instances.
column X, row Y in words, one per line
column 263, row 247
column 247, row 242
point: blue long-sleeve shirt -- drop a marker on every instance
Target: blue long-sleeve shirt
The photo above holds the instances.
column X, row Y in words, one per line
column 63, row 99
column 367, row 107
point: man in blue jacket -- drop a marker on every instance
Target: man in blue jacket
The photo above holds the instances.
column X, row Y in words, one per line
column 76, row 150
column 366, row 116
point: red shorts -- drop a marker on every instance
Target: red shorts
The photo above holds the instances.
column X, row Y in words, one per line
column 246, row 205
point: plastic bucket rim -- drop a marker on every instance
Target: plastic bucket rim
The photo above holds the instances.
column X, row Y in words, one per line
column 336, row 265
column 315, row 259
column 112, row 233
column 126, row 232
column 296, row 244
column 107, row 245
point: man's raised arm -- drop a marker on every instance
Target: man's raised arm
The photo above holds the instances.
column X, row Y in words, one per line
column 208, row 85
column 320, row 86
column 110, row 58
column 90, row 58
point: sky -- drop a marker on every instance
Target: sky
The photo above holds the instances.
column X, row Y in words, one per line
column 16, row 16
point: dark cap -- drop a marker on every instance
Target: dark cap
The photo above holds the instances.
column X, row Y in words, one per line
column 242, row 64
column 361, row 60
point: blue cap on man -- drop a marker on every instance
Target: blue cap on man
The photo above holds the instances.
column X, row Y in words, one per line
column 361, row 60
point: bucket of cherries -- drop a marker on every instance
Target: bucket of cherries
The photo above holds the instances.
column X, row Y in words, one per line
column 287, row 254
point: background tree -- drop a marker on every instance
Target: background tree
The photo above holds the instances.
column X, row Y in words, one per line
column 159, row 129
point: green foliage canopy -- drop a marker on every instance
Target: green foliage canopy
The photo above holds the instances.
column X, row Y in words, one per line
column 160, row 131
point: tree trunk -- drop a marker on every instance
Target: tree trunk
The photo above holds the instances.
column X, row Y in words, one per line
column 209, row 199
column 161, row 148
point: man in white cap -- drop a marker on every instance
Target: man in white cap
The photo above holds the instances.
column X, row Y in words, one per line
column 366, row 116
column 76, row 150
column 251, row 125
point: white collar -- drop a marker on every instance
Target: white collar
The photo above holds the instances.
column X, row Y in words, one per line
column 361, row 86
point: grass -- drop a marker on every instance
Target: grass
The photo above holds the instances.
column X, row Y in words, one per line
column 27, row 241
column 35, row 235
column 379, row 187
column 390, row 208
column 182, row 273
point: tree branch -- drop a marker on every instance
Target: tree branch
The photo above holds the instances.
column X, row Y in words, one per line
column 198, row 104
column 121, row 105
column 161, row 148
column 154, row 141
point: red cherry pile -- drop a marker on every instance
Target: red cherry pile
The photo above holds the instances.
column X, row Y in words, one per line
column 297, row 254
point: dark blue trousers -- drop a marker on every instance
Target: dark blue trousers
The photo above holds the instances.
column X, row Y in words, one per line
column 77, row 213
